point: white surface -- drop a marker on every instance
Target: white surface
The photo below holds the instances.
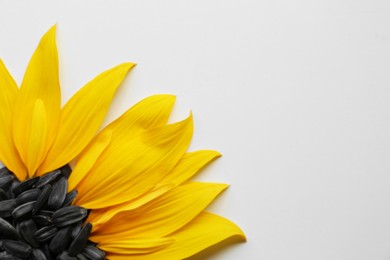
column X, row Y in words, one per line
column 295, row 94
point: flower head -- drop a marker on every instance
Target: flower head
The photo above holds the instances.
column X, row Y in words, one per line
column 128, row 195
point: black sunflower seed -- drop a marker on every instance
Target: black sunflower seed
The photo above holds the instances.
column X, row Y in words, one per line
column 38, row 254
column 65, row 256
column 23, row 210
column 17, row 248
column 5, row 181
column 61, row 240
column 41, row 200
column 28, row 195
column 4, row 172
column 76, row 229
column 45, row 249
column 6, row 207
column 81, row 257
column 48, row 178
column 93, row 253
column 27, row 229
column 81, row 240
column 66, row 170
column 7, row 230
column 70, row 198
column 7, row 256
column 25, row 185
column 3, row 195
column 58, row 194
column 45, row 233
column 42, row 220
column 69, row 215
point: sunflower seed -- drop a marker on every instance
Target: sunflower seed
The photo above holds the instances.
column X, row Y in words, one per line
column 61, row 240
column 37, row 254
column 58, row 193
column 70, row 198
column 7, row 230
column 6, row 207
column 17, row 248
column 69, row 215
column 27, row 196
column 47, row 178
column 66, row 170
column 25, row 185
column 65, row 256
column 80, row 241
column 26, row 230
column 23, row 210
column 5, row 181
column 48, row 213
column 45, row 233
column 6, row 256
column 10, row 193
column 43, row 196
column 45, row 249
column 3, row 195
column 81, row 257
column 4, row 172
column 76, row 229
column 94, row 253
column 42, row 220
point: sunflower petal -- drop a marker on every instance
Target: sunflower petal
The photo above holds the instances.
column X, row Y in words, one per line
column 189, row 165
column 37, row 139
column 82, row 116
column 164, row 215
column 122, row 245
column 151, row 112
column 131, row 166
column 204, row 231
column 41, row 81
column 100, row 216
column 8, row 153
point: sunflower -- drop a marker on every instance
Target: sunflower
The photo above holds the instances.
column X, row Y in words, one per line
column 127, row 194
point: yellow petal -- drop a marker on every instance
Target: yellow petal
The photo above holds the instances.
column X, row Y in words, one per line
column 204, row 231
column 82, row 116
column 40, row 82
column 37, row 138
column 88, row 159
column 100, row 216
column 189, row 165
column 122, row 245
column 151, row 112
column 8, row 153
column 131, row 166
column 164, row 215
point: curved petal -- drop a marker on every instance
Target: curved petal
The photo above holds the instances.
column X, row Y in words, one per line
column 151, row 112
column 82, row 116
column 204, row 231
column 8, row 153
column 128, row 169
column 41, row 81
column 122, row 245
column 188, row 165
column 162, row 216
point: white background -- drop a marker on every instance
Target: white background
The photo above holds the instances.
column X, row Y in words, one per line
column 295, row 94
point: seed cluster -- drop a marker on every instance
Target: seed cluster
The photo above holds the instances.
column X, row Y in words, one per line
column 38, row 220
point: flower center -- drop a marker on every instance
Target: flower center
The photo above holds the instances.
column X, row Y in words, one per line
column 37, row 220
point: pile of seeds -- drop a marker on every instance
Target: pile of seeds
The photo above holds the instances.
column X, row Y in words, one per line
column 37, row 220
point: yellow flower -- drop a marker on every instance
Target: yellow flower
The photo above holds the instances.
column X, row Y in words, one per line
column 132, row 176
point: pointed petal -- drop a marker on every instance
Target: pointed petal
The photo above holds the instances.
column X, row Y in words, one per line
column 189, row 165
column 41, row 81
column 82, row 116
column 204, row 231
column 129, row 168
column 8, row 153
column 100, row 216
column 164, row 215
column 151, row 112
column 37, row 139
